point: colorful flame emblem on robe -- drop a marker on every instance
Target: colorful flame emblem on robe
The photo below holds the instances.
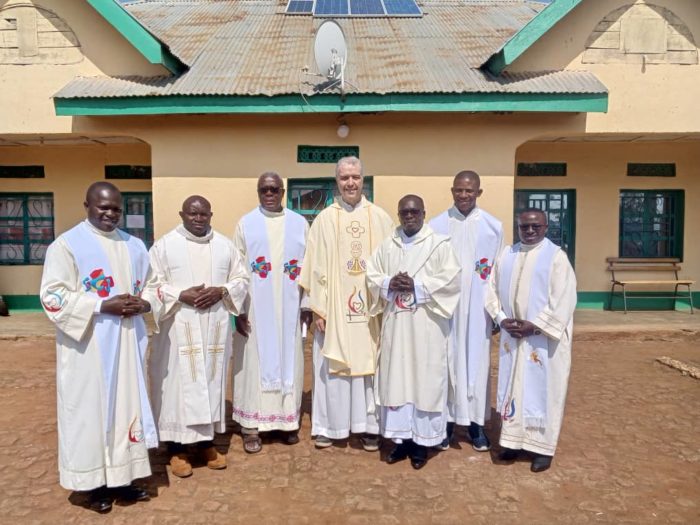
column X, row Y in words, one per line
column 509, row 411
column 135, row 431
column 483, row 268
column 405, row 301
column 138, row 287
column 52, row 302
column 99, row 283
column 356, row 304
column 535, row 358
column 261, row 267
column 292, row 269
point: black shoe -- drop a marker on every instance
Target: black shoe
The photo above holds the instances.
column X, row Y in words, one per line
column 508, row 454
column 401, row 451
column 540, row 463
column 370, row 442
column 419, row 456
column 133, row 493
column 100, row 500
column 480, row 442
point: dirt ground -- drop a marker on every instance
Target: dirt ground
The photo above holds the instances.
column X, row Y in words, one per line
column 629, row 453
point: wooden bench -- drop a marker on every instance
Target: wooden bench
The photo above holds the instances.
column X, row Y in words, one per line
column 659, row 266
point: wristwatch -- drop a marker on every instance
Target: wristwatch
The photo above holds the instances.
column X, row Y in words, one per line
column 224, row 292
column 537, row 331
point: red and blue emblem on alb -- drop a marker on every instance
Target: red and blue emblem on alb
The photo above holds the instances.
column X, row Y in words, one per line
column 99, row 282
column 483, row 268
column 261, row 267
column 292, row 269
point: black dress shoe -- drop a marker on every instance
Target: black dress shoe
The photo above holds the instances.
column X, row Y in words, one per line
column 100, row 500
column 400, row 452
column 508, row 454
column 133, row 493
column 419, row 457
column 540, row 463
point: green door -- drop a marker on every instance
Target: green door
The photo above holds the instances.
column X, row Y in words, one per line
column 560, row 206
column 137, row 216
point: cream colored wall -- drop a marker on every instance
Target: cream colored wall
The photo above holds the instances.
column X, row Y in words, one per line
column 597, row 171
column 69, row 170
column 26, row 90
column 222, row 156
column 653, row 98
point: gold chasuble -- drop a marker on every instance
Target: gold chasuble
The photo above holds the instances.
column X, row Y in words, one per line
column 341, row 241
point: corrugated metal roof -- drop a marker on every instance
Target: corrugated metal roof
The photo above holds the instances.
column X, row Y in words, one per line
column 250, row 47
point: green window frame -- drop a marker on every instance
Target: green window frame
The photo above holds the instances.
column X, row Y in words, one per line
column 26, row 227
column 560, row 207
column 651, row 223
column 137, row 215
column 309, row 197
column 325, row 154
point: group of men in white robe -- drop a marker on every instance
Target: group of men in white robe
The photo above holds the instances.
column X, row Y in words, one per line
column 431, row 293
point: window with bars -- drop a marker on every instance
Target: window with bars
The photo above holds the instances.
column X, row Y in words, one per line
column 541, row 169
column 137, row 216
column 560, row 207
column 125, row 171
column 325, row 154
column 26, row 227
column 310, row 196
column 651, row 223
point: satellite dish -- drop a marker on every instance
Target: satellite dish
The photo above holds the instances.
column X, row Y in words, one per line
column 331, row 51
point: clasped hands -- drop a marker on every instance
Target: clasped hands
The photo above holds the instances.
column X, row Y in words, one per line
column 518, row 328
column 401, row 283
column 201, row 297
column 125, row 305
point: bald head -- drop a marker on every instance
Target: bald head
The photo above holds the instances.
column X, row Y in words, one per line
column 195, row 198
column 196, row 215
column 411, row 214
column 100, row 187
column 466, row 189
column 103, row 205
column 468, row 175
column 270, row 191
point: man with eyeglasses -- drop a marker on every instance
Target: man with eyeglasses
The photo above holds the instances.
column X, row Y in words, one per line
column 268, row 360
column 477, row 238
column 532, row 296
column 341, row 240
column 202, row 281
column 414, row 276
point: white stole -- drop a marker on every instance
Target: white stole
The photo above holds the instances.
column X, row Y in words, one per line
column 97, row 279
column 276, row 354
column 201, row 384
column 477, row 325
column 535, row 347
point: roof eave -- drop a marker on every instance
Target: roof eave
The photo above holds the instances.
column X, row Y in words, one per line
column 152, row 49
column 358, row 103
column 529, row 34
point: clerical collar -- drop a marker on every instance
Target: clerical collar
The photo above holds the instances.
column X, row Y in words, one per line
column 110, row 235
column 528, row 247
column 405, row 239
column 268, row 213
column 459, row 215
column 349, row 207
column 191, row 237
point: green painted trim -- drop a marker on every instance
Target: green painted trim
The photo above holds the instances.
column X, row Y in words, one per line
column 23, row 302
column 452, row 102
column 600, row 300
column 529, row 34
column 155, row 51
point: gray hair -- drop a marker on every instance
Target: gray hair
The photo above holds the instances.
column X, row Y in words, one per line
column 351, row 160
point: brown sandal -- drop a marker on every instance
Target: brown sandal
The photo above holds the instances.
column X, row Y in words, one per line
column 252, row 443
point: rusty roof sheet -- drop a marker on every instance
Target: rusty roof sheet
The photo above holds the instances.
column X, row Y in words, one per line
column 250, row 47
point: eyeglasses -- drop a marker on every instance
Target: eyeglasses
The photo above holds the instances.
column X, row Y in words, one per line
column 534, row 227
column 269, row 189
column 409, row 212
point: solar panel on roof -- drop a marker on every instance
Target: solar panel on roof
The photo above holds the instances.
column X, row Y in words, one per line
column 300, row 7
column 331, row 7
column 366, row 7
column 401, row 7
